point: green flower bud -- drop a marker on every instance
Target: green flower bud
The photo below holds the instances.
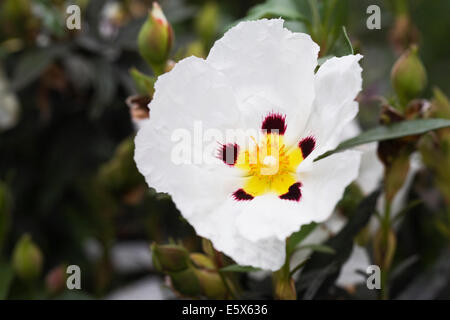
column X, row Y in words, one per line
column 206, row 23
column 196, row 49
column 208, row 248
column 408, row 76
column 211, row 284
column 27, row 259
column 170, row 257
column 202, row 261
column 440, row 105
column 143, row 83
column 186, row 282
column 155, row 39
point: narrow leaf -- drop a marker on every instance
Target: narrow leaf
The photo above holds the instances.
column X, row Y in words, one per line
column 238, row 268
column 347, row 40
column 298, row 237
column 397, row 130
column 318, row 247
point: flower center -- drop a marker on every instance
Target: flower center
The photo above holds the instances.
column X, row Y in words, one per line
column 269, row 166
column 270, row 162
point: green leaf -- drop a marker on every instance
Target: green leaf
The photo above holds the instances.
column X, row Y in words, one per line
column 298, row 237
column 33, row 63
column 318, row 248
column 322, row 269
column 238, row 268
column 322, row 60
column 6, row 278
column 397, row 130
column 347, row 40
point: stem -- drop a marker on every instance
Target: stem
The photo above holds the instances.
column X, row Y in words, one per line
column 386, row 225
column 315, row 17
column 284, row 288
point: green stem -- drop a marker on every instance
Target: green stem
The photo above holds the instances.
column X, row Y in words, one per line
column 315, row 17
column 386, row 226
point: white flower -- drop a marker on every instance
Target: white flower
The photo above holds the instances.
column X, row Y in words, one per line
column 259, row 76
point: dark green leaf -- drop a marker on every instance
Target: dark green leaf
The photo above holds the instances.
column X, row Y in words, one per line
column 347, row 40
column 322, row 269
column 238, row 268
column 429, row 284
column 32, row 63
column 397, row 130
column 318, row 247
column 298, row 237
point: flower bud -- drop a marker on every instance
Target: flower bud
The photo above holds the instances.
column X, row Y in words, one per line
column 195, row 49
column 27, row 259
column 207, row 23
column 186, row 282
column 119, row 175
column 440, row 105
column 211, row 284
column 202, row 261
column 396, row 166
column 208, row 248
column 143, row 83
column 170, row 257
column 155, row 39
column 408, row 76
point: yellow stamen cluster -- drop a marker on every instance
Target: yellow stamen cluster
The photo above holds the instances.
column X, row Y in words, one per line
column 269, row 165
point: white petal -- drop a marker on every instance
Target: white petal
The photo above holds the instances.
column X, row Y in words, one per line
column 219, row 226
column 267, row 62
column 194, row 91
column 337, row 82
column 371, row 170
column 322, row 187
column 325, row 183
column 192, row 96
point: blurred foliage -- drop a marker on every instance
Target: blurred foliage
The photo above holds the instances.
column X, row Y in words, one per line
column 68, row 179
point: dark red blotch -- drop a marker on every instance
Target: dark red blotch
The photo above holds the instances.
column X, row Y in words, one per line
column 241, row 195
column 228, row 153
column 307, row 146
column 274, row 123
column 294, row 193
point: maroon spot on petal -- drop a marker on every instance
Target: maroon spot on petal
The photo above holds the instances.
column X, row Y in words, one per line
column 294, row 193
column 274, row 122
column 228, row 153
column 241, row 195
column 307, row 145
